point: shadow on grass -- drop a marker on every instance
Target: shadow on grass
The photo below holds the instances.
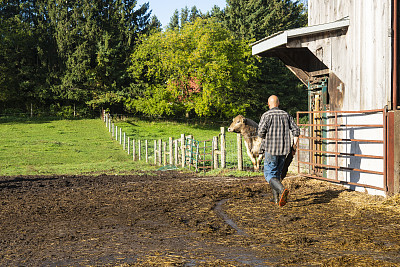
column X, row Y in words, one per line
column 33, row 120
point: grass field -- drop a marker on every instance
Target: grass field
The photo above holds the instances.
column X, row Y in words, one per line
column 140, row 129
column 153, row 130
column 31, row 147
column 51, row 146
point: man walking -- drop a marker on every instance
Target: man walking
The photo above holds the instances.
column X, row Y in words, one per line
column 275, row 127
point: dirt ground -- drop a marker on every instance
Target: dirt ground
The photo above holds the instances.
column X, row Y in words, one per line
column 172, row 218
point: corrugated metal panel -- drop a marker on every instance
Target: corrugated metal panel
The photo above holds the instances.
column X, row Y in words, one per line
column 361, row 59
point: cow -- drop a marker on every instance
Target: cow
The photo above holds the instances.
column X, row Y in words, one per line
column 248, row 129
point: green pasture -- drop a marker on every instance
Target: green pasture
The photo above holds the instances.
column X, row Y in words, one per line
column 154, row 130
column 53, row 146
column 32, row 147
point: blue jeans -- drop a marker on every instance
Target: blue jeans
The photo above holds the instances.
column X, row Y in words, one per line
column 273, row 166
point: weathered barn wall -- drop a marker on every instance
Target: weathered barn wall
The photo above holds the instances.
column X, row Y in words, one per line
column 396, row 152
column 361, row 58
column 360, row 62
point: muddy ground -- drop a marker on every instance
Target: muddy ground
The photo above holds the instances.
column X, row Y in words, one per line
column 180, row 219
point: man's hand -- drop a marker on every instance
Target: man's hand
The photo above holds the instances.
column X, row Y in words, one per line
column 294, row 149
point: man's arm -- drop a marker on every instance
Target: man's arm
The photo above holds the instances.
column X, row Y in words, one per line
column 262, row 127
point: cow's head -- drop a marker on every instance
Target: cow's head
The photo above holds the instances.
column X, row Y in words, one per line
column 237, row 124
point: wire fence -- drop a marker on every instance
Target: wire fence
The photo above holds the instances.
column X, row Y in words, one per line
column 223, row 151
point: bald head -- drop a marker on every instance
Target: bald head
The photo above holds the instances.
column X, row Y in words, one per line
column 273, row 101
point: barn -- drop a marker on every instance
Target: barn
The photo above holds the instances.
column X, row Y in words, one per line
column 347, row 58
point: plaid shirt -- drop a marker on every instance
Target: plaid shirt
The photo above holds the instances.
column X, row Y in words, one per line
column 274, row 128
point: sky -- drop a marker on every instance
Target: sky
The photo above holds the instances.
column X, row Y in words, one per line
column 164, row 9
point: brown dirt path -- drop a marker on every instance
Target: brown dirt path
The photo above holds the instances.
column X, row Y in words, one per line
column 179, row 219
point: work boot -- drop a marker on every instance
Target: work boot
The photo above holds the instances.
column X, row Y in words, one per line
column 276, row 184
column 275, row 195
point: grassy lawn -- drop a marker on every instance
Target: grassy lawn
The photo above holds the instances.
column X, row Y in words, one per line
column 31, row 147
column 140, row 129
column 153, row 130
column 48, row 146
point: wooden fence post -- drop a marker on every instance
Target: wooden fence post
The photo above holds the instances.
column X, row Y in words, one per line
column 183, row 150
column 165, row 153
column 223, row 148
column 155, row 152
column 133, row 150
column 129, row 145
column 116, row 133
column 147, row 150
column 215, row 151
column 188, row 153
column 112, row 134
column 170, row 142
column 159, row 152
column 120, row 135
column 176, row 155
column 239, row 152
column 140, row 149
column 124, row 146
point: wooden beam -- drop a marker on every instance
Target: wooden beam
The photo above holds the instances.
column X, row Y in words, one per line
column 292, row 66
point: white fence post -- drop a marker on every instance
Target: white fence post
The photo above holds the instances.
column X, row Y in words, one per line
column 147, row 150
column 139, row 149
column 170, row 150
column 124, row 146
column 215, row 152
column 164, row 153
column 159, row 152
column 176, row 155
column 155, row 152
column 183, row 150
column 133, row 150
column 223, row 148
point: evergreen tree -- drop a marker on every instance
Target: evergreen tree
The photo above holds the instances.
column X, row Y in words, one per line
column 178, row 19
column 194, row 13
column 184, row 15
column 174, row 21
column 67, row 52
column 254, row 20
column 25, row 57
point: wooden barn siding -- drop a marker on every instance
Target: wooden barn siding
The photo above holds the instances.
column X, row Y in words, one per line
column 361, row 59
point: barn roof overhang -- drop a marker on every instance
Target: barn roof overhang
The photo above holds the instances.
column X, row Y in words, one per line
column 291, row 47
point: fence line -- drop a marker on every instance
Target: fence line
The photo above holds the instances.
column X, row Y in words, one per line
column 185, row 152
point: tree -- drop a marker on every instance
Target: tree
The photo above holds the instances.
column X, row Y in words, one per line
column 254, row 20
column 67, row 51
column 25, row 55
column 260, row 18
column 199, row 69
column 179, row 19
column 174, row 21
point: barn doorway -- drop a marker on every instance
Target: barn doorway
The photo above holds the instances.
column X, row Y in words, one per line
column 318, row 101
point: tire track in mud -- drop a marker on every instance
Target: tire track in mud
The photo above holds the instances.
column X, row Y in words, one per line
column 220, row 212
